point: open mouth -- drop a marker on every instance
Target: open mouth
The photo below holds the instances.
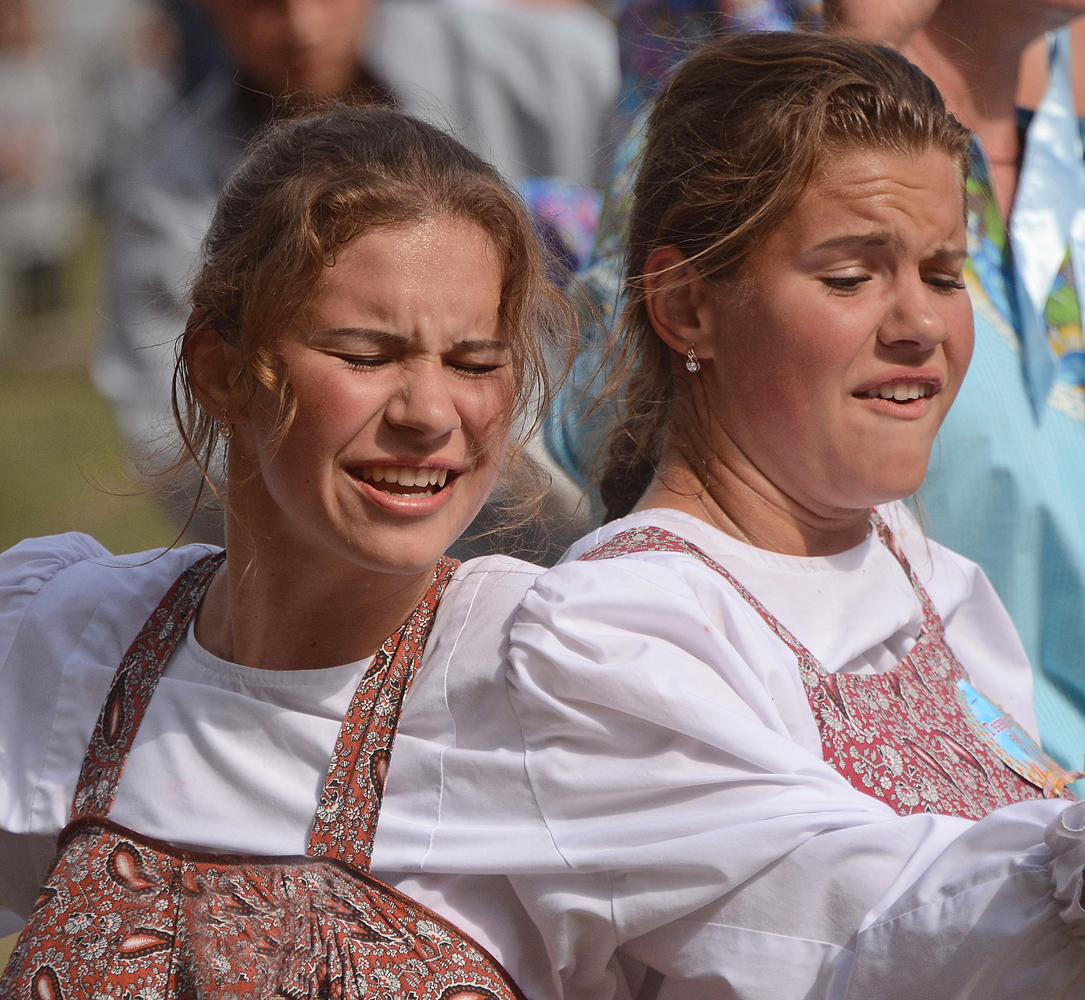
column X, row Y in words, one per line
column 901, row 392
column 404, row 481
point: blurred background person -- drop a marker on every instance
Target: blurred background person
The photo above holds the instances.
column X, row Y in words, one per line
column 39, row 207
column 527, row 85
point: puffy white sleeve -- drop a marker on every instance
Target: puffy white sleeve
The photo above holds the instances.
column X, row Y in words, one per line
column 671, row 765
column 28, row 693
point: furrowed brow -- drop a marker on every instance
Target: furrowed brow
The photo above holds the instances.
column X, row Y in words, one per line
column 860, row 241
column 374, row 338
column 478, row 346
column 950, row 255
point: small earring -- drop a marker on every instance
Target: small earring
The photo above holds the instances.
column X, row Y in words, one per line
column 226, row 430
column 692, row 364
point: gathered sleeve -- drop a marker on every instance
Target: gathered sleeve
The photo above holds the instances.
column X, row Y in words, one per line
column 28, row 691
column 674, row 759
column 68, row 611
column 28, row 694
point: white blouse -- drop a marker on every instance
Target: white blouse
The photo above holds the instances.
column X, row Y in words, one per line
column 673, row 754
column 230, row 758
column 672, row 810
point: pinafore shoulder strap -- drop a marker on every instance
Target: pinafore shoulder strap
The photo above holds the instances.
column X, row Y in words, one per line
column 346, row 819
column 651, row 539
column 133, row 684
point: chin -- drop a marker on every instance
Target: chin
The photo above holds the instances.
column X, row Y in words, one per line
column 403, row 554
column 874, row 491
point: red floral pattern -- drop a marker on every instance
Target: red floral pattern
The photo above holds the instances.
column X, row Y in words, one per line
column 346, row 818
column 125, row 917
column 904, row 736
column 132, row 687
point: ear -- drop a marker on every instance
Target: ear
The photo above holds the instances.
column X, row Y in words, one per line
column 680, row 304
column 216, row 370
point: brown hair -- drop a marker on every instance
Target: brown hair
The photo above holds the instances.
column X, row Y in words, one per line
column 731, row 145
column 307, row 188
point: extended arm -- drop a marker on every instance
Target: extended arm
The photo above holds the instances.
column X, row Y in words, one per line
column 667, row 753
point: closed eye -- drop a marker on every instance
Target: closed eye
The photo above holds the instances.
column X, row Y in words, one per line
column 848, row 283
column 469, row 369
column 359, row 361
column 947, row 284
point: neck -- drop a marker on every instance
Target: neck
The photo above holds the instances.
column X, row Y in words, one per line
column 722, row 488
column 972, row 50
column 282, row 605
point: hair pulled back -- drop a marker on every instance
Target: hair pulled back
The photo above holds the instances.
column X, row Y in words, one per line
column 732, row 143
column 307, row 188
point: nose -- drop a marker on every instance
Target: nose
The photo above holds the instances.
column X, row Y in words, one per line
column 914, row 319
column 424, row 403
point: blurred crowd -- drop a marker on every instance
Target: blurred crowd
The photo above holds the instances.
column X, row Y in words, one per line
column 82, row 88
column 78, row 84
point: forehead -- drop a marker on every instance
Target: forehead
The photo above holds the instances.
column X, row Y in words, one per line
column 920, row 195
column 435, row 275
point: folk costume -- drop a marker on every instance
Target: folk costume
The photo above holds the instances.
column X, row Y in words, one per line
column 791, row 777
column 223, row 819
column 1008, row 466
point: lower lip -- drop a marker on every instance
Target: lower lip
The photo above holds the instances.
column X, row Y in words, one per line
column 410, row 506
column 913, row 410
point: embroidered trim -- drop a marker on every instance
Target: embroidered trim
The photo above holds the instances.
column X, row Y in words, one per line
column 903, row 736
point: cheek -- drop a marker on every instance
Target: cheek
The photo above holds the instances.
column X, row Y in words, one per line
column 331, row 410
column 795, row 362
column 485, row 411
column 961, row 341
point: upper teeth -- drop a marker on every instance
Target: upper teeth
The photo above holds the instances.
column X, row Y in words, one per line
column 405, row 476
column 900, row 391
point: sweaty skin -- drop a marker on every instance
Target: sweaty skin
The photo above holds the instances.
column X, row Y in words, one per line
column 400, row 364
column 792, row 429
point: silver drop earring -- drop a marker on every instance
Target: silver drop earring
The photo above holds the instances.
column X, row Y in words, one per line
column 692, row 364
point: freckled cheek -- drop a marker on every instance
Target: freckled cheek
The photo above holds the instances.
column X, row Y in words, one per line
column 960, row 345
column 485, row 414
column 332, row 407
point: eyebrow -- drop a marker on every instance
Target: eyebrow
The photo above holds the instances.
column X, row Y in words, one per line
column 864, row 241
column 853, row 242
column 952, row 256
column 384, row 338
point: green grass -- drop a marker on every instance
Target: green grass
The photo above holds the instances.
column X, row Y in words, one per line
column 6, row 944
column 62, row 466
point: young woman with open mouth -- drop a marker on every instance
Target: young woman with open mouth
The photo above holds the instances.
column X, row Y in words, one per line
column 782, row 741
column 367, row 329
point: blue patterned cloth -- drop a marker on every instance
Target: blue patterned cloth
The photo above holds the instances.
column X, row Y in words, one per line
column 1007, row 487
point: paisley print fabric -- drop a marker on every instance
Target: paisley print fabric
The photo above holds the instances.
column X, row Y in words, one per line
column 125, row 917
column 346, row 818
column 904, row 736
column 132, row 687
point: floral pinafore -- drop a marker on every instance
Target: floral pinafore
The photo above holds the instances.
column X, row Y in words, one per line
column 126, row 917
column 918, row 736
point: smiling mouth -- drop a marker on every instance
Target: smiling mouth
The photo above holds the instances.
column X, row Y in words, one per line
column 901, row 392
column 403, row 481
